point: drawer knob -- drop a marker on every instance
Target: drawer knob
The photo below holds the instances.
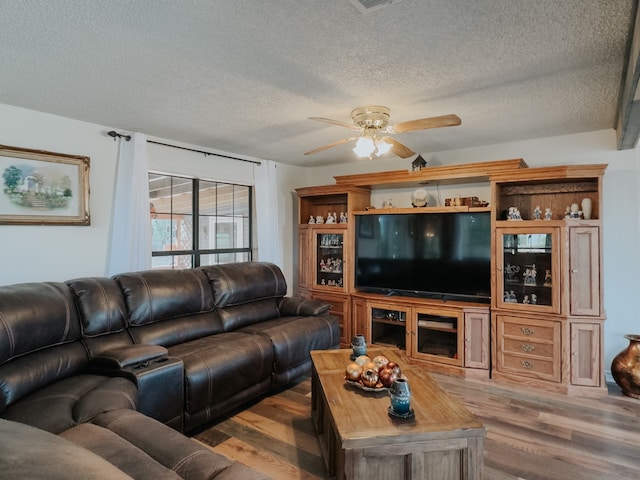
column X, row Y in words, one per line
column 527, row 364
column 527, row 330
column 527, row 347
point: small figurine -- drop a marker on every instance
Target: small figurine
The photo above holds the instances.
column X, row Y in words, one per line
column 330, row 218
column 534, row 299
column 548, row 214
column 510, row 297
column 525, row 299
column 319, row 219
column 537, row 212
column 575, row 211
column 343, row 217
column 567, row 212
column 547, row 278
column 514, row 214
column 311, row 220
column 511, row 271
column 533, row 274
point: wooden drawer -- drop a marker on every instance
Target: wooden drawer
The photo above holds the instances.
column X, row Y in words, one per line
column 527, row 347
column 534, row 367
column 530, row 329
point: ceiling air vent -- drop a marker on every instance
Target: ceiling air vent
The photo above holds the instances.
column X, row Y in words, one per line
column 366, row 6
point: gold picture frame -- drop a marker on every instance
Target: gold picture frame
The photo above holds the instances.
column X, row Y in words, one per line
column 43, row 188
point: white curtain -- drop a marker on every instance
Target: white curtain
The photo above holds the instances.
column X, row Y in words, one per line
column 130, row 248
column 268, row 219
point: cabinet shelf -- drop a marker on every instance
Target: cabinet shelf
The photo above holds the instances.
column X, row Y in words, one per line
column 400, row 211
column 387, row 321
column 439, row 329
column 523, row 285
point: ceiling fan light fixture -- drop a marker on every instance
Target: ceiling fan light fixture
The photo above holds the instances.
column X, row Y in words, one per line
column 382, row 147
column 364, row 146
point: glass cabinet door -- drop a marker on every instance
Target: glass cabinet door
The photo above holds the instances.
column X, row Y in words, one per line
column 388, row 326
column 527, row 268
column 438, row 334
column 329, row 259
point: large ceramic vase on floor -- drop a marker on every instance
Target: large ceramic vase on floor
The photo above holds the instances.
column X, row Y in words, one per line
column 625, row 367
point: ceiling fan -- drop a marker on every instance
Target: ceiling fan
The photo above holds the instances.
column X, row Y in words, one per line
column 372, row 122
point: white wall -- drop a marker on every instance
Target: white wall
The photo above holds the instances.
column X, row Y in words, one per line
column 621, row 249
column 38, row 253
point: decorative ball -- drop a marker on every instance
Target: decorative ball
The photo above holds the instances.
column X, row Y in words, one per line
column 387, row 376
column 353, row 372
column 369, row 378
column 395, row 368
column 381, row 361
column 362, row 359
column 370, row 366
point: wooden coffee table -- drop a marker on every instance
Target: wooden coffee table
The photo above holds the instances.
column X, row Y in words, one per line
column 361, row 441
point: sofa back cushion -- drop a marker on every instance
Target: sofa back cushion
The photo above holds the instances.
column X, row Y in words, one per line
column 166, row 307
column 39, row 338
column 102, row 312
column 100, row 305
column 34, row 316
column 247, row 292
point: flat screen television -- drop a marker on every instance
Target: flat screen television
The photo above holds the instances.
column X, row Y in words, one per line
column 431, row 255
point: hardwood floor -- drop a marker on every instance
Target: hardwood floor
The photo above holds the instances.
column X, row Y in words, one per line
column 531, row 435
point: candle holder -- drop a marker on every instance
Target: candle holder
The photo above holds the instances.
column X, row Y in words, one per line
column 359, row 346
column 400, row 399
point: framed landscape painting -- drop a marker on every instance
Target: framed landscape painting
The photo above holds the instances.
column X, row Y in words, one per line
column 43, row 188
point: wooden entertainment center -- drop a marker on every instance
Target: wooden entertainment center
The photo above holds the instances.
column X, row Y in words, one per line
column 544, row 324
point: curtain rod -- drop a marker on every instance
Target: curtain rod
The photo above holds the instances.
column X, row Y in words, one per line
column 115, row 135
column 205, row 153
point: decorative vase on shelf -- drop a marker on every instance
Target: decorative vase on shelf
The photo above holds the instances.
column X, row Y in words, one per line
column 625, row 367
column 586, row 208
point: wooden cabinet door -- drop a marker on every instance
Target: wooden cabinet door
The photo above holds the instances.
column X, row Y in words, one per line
column 341, row 308
column 304, row 258
column 476, row 340
column 438, row 335
column 584, row 266
column 528, row 272
column 359, row 315
column 585, row 354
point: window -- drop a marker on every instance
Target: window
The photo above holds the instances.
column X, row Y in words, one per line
column 219, row 231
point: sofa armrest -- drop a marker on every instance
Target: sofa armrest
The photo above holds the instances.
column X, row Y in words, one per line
column 122, row 357
column 301, row 306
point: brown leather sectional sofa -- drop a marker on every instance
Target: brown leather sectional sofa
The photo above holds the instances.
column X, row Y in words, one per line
column 120, row 366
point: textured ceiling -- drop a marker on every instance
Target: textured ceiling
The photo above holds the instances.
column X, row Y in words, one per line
column 242, row 76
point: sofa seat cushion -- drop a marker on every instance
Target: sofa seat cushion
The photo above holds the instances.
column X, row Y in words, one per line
column 293, row 338
column 219, row 366
column 146, row 449
column 71, row 401
column 28, row 452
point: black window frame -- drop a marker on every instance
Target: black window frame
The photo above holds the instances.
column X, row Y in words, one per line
column 195, row 252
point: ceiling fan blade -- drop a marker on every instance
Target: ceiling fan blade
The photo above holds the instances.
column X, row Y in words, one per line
column 398, row 148
column 334, row 144
column 350, row 126
column 425, row 123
